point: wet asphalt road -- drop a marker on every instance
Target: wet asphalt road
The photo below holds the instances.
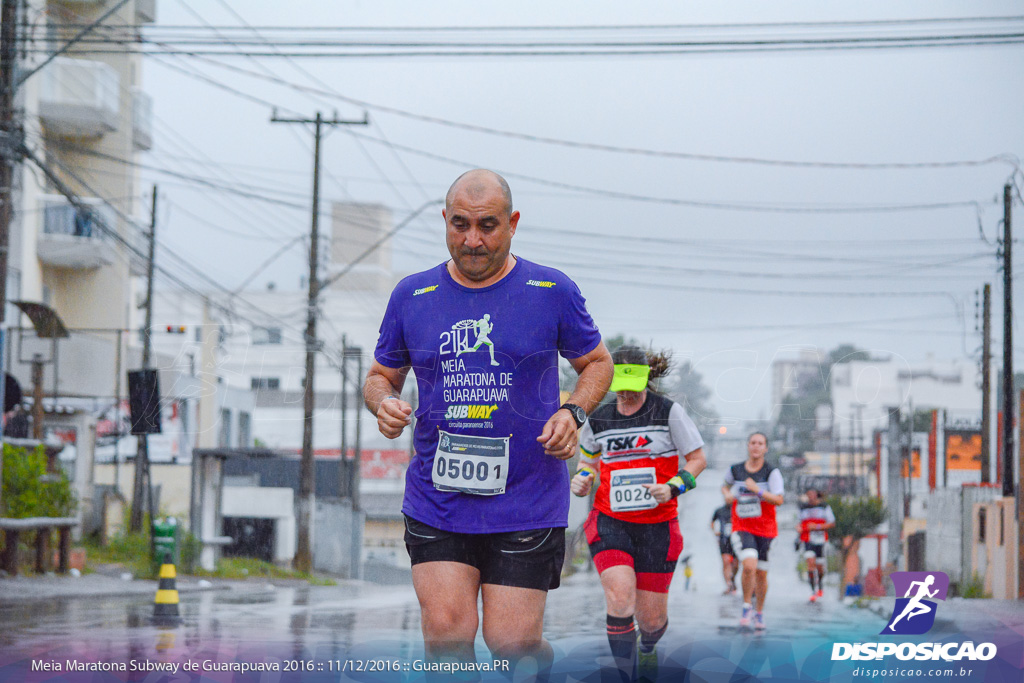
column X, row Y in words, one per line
column 353, row 618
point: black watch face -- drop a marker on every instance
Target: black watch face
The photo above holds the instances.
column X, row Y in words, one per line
column 580, row 416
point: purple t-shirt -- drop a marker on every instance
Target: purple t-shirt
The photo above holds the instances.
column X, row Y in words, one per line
column 486, row 365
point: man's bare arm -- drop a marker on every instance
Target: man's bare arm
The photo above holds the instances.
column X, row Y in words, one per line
column 381, row 392
column 595, row 372
column 595, row 376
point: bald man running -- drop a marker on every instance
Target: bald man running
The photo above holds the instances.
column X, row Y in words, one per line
column 487, row 496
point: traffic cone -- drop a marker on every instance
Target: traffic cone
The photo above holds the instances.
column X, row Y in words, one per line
column 165, row 605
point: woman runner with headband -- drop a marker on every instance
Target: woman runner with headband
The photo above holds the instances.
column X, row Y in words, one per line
column 633, row 447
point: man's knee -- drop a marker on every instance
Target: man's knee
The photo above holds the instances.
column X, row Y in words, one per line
column 450, row 622
column 508, row 641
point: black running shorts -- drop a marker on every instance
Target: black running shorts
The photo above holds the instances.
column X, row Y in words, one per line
column 522, row 559
column 746, row 544
column 815, row 550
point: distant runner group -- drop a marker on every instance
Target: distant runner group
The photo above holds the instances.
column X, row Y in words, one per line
column 487, row 498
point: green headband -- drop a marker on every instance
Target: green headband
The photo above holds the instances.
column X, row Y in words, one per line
column 630, row 377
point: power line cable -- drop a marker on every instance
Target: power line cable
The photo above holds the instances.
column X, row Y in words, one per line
column 615, row 27
column 1008, row 159
column 728, row 206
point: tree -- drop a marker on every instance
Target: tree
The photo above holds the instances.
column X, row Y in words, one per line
column 855, row 519
column 844, row 353
column 685, row 386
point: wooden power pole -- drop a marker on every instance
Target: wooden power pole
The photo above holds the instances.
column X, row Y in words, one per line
column 139, row 493
column 307, row 473
column 986, row 382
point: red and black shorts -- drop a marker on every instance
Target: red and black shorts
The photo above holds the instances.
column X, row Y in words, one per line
column 522, row 559
column 650, row 549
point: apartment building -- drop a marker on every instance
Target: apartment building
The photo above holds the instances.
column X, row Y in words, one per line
column 86, row 116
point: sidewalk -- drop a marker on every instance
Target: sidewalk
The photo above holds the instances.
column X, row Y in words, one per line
column 112, row 580
column 51, row 586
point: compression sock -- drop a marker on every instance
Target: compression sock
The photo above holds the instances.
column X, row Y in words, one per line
column 622, row 637
column 649, row 640
column 811, row 576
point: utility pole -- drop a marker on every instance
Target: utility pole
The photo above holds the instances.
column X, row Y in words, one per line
column 342, row 462
column 139, row 493
column 10, row 134
column 986, row 382
column 1020, row 508
column 1008, row 394
column 894, row 487
column 307, row 473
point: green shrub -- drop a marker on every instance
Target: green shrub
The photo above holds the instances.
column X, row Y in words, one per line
column 29, row 491
column 975, row 588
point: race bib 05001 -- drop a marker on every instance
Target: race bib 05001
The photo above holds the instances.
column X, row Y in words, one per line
column 470, row 464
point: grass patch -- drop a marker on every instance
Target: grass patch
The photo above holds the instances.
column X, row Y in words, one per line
column 248, row 567
column 130, row 551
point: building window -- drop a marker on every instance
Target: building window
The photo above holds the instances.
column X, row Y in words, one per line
column 224, row 440
column 266, row 335
column 244, row 430
column 1002, row 525
column 981, row 524
column 266, row 382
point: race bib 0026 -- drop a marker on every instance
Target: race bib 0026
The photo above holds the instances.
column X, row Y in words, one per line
column 626, row 491
column 470, row 464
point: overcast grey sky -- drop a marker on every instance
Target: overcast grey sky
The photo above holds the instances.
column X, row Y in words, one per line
column 727, row 288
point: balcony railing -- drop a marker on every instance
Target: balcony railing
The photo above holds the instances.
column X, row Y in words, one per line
column 79, row 97
column 145, row 10
column 73, row 238
column 142, row 120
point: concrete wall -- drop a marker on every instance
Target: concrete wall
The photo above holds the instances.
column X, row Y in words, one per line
column 335, row 541
column 174, row 481
column 258, row 502
column 950, row 521
column 993, row 548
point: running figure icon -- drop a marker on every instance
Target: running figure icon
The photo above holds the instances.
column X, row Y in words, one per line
column 483, row 328
column 915, row 607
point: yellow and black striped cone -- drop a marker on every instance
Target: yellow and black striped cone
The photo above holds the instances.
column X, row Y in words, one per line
column 165, row 605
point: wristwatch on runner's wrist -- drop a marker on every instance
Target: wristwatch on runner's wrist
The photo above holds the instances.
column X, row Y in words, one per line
column 577, row 413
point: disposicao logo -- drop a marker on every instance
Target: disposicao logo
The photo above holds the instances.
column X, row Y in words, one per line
column 914, row 613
